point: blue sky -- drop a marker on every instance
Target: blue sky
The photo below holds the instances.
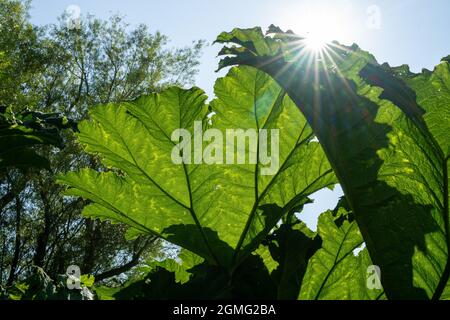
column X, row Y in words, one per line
column 414, row 32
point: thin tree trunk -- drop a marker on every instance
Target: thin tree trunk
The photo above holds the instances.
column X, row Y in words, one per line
column 6, row 199
column 2, row 258
column 44, row 236
column 17, row 245
column 92, row 238
column 15, row 188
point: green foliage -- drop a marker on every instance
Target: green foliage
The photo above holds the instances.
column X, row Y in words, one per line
column 334, row 272
column 391, row 161
column 250, row 280
column 39, row 286
column 382, row 134
column 291, row 245
column 106, row 61
column 22, row 55
column 20, row 132
column 50, row 70
column 220, row 212
column 180, row 266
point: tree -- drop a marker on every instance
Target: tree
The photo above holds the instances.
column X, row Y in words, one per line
column 21, row 55
column 55, row 68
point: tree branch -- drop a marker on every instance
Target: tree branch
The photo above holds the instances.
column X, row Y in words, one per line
column 127, row 266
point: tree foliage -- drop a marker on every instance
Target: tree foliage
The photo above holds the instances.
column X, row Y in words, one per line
column 49, row 74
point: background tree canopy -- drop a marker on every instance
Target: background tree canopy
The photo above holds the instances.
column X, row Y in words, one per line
column 58, row 72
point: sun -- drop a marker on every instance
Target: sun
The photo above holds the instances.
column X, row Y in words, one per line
column 321, row 24
column 316, row 41
column 319, row 35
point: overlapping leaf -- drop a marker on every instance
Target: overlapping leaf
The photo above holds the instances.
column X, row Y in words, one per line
column 336, row 271
column 433, row 95
column 330, row 264
column 219, row 211
column 390, row 162
column 291, row 246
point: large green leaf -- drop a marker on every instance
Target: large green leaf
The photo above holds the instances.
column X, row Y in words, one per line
column 329, row 264
column 390, row 166
column 334, row 272
column 218, row 211
column 433, row 95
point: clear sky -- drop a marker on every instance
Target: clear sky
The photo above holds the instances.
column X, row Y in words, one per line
column 415, row 32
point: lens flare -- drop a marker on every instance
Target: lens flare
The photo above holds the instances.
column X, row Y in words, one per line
column 316, row 42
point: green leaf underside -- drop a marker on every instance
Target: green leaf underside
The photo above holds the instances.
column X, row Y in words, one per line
column 433, row 95
column 180, row 267
column 323, row 265
column 390, row 164
column 334, row 272
column 219, row 211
